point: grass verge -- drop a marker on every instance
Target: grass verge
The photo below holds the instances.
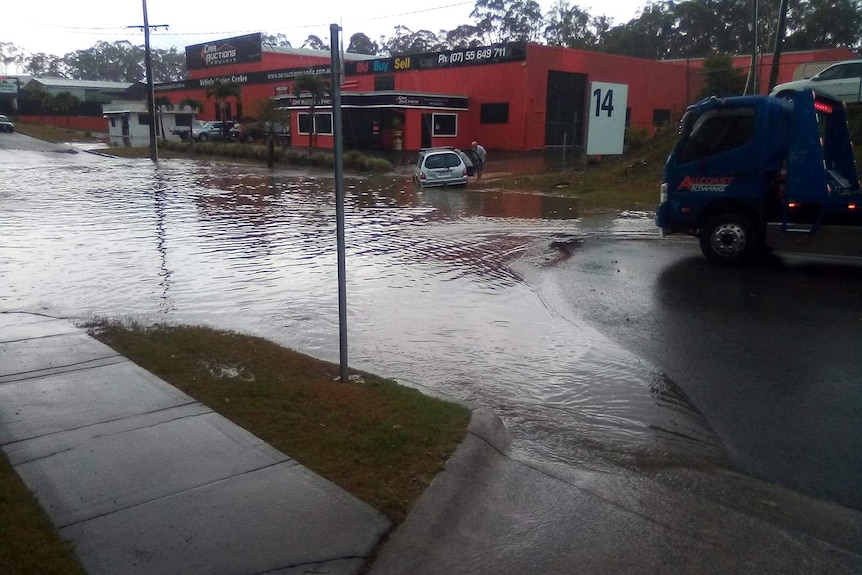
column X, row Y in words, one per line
column 29, row 545
column 380, row 441
column 56, row 135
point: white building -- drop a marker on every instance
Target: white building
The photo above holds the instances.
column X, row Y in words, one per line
column 129, row 122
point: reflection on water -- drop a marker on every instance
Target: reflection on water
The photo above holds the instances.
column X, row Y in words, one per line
column 433, row 296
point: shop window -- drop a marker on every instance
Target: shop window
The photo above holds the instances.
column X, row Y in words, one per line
column 494, row 113
column 384, row 83
column 445, row 125
column 660, row 117
column 322, row 120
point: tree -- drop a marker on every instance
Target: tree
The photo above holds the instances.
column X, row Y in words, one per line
column 271, row 114
column 508, row 20
column 317, row 87
column 722, row 79
column 464, row 36
column 362, row 44
column 196, row 107
column 221, row 93
column 65, row 102
column 406, row 41
column 163, row 103
column 314, row 43
column 570, row 27
column 278, row 40
column 42, row 64
column 11, row 58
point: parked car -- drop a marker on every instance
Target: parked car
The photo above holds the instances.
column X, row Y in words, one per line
column 204, row 131
column 439, row 167
column 251, row 132
column 6, row 124
column 842, row 81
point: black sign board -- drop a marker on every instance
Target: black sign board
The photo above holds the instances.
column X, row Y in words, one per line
column 437, row 60
column 235, row 50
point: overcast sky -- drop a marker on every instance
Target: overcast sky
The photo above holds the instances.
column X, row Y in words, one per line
column 58, row 27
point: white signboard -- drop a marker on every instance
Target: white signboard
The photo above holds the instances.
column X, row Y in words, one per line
column 607, row 118
column 8, row 86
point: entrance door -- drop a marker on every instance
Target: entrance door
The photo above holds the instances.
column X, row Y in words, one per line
column 564, row 109
column 427, row 127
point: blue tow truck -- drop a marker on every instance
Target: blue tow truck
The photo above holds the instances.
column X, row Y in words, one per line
column 752, row 174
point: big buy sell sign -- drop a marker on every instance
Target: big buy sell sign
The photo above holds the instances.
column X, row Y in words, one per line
column 8, row 85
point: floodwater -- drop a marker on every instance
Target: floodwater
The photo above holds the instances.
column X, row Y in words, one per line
column 435, row 296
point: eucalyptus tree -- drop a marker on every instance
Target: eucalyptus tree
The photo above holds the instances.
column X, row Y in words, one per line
column 362, row 44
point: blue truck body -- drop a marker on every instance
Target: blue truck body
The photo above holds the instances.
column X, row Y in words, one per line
column 752, row 174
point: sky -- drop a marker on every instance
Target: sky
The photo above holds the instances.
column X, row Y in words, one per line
column 59, row 27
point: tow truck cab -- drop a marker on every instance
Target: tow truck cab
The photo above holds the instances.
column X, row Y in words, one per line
column 755, row 173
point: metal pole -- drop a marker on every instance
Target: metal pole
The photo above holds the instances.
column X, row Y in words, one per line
column 151, row 98
column 337, row 132
column 779, row 41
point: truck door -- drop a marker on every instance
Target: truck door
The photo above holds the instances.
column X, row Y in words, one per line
column 716, row 156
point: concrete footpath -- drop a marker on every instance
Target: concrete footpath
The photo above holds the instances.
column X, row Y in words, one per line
column 143, row 479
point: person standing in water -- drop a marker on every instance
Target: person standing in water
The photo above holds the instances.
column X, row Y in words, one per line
column 481, row 155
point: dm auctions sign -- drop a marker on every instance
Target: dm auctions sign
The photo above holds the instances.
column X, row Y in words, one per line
column 235, row 50
column 607, row 118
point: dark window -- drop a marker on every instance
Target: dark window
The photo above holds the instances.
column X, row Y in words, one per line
column 445, row 125
column 184, row 120
column 494, row 113
column 113, row 122
column 716, row 131
column 384, row 83
column 323, row 121
column 304, row 123
column 144, row 119
column 661, row 117
column 437, row 161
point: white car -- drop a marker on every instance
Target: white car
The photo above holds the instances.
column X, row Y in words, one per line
column 842, row 81
column 439, row 167
column 6, row 124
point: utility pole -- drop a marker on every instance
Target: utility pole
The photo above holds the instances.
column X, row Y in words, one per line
column 752, row 74
column 148, row 64
column 779, row 41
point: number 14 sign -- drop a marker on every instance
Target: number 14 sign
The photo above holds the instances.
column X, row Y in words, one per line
column 607, row 118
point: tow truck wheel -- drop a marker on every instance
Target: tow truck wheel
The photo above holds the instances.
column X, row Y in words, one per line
column 728, row 239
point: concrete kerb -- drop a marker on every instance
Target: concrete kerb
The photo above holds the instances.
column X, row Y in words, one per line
column 487, row 440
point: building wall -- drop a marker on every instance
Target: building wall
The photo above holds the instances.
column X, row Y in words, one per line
column 82, row 123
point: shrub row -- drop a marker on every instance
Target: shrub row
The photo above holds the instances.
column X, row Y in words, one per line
column 353, row 160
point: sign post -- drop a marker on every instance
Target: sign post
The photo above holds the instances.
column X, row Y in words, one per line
column 607, row 118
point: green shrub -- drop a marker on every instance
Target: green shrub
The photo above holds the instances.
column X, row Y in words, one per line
column 378, row 165
column 636, row 138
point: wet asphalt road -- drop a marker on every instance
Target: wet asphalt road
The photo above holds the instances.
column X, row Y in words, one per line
column 771, row 356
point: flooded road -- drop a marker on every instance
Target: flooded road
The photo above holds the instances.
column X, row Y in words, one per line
column 437, row 297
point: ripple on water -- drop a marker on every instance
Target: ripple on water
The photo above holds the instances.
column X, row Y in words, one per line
column 433, row 300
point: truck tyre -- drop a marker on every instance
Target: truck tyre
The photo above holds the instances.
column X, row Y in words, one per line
column 729, row 239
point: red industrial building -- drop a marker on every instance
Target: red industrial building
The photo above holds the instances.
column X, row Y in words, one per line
column 509, row 97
